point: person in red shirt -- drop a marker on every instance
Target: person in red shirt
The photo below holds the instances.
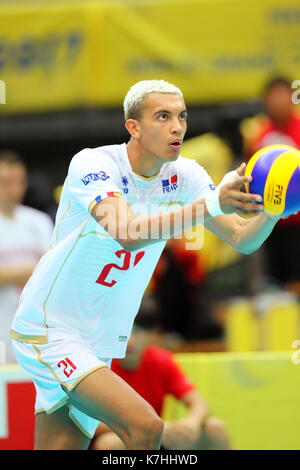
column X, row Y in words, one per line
column 153, row 373
column 282, row 123
column 281, row 126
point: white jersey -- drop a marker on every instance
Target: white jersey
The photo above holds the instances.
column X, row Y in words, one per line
column 25, row 237
column 87, row 284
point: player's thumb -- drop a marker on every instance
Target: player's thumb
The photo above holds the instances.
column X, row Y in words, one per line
column 241, row 169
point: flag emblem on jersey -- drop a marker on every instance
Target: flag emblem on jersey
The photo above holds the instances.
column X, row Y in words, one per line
column 170, row 184
column 109, row 194
column 101, row 175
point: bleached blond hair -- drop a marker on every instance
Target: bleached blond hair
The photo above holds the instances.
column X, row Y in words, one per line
column 133, row 102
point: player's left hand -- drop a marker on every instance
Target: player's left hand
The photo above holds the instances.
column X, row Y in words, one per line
column 232, row 199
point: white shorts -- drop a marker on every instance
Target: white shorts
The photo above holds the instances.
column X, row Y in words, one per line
column 60, row 363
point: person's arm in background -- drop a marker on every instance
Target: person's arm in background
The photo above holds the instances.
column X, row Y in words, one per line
column 17, row 275
column 185, row 432
column 20, row 273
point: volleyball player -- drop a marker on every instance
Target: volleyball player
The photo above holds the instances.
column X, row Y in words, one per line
column 77, row 310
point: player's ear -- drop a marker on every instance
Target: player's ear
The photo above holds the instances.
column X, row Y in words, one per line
column 132, row 125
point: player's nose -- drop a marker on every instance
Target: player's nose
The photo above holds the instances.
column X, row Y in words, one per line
column 177, row 127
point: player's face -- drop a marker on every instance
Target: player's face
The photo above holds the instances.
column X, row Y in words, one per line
column 13, row 183
column 163, row 125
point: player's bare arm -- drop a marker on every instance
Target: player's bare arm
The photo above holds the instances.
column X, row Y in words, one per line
column 120, row 221
column 246, row 235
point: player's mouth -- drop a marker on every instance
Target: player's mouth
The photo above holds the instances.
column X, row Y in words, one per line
column 175, row 144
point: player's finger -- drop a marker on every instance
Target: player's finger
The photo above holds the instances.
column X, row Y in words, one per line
column 241, row 169
column 246, row 197
column 245, row 208
column 239, row 182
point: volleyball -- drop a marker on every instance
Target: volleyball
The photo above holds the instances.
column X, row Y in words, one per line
column 276, row 177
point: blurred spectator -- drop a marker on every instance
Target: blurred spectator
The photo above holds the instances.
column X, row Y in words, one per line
column 40, row 195
column 153, row 373
column 280, row 125
column 25, row 236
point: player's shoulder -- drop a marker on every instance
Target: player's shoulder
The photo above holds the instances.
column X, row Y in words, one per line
column 105, row 152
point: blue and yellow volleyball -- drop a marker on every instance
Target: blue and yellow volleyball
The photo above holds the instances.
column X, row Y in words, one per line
column 276, row 177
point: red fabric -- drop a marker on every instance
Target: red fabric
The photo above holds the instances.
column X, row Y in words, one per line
column 190, row 263
column 20, row 417
column 157, row 376
column 291, row 129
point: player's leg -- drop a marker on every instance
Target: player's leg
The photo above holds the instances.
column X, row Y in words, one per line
column 214, row 436
column 56, row 431
column 105, row 439
column 103, row 395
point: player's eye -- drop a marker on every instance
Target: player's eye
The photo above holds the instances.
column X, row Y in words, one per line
column 183, row 116
column 162, row 117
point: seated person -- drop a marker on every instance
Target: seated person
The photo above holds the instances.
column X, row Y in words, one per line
column 153, row 373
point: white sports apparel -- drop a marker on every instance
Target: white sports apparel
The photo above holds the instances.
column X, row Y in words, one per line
column 87, row 283
column 75, row 361
column 25, row 237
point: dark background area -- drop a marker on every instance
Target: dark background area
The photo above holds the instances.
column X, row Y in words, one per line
column 48, row 141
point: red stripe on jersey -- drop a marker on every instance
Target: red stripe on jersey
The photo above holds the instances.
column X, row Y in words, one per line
column 114, row 194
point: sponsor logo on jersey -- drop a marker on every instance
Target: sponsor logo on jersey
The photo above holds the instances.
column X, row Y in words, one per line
column 95, row 177
column 122, row 338
column 169, row 184
column 212, row 187
column 125, row 184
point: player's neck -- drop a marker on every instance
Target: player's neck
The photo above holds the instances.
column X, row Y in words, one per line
column 142, row 163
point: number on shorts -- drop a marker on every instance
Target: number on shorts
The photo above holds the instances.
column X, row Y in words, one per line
column 126, row 265
column 69, row 367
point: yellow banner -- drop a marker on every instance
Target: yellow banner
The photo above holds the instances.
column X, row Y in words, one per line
column 46, row 56
column 255, row 394
column 70, row 54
